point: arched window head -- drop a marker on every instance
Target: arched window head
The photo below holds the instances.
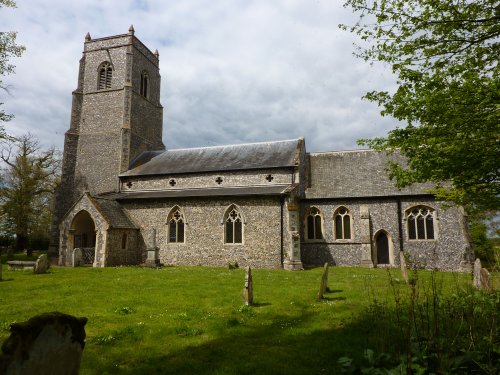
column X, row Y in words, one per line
column 233, row 226
column 105, row 75
column 144, row 84
column 313, row 224
column 176, row 225
column 420, row 221
column 342, row 220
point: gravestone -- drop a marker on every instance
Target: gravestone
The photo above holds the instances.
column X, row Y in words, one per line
column 153, row 258
column 323, row 287
column 476, row 282
column 77, row 257
column 402, row 263
column 47, row 344
column 41, row 265
column 485, row 279
column 248, row 290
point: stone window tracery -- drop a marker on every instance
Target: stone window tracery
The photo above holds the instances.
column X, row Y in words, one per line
column 105, row 76
column 313, row 224
column 144, row 84
column 233, row 226
column 176, row 226
column 420, row 223
column 342, row 221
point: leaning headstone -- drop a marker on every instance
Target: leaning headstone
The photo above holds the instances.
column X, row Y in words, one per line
column 248, row 290
column 485, row 279
column 476, row 282
column 41, row 265
column 77, row 257
column 323, row 287
column 47, row 344
column 402, row 263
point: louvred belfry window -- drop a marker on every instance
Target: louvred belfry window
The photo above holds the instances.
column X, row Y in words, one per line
column 105, row 75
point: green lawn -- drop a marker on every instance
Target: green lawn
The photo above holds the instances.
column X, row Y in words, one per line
column 192, row 319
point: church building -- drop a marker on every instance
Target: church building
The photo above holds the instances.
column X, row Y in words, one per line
column 265, row 205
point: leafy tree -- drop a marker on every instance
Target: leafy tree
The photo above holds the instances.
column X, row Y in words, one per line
column 445, row 56
column 8, row 48
column 29, row 181
column 484, row 248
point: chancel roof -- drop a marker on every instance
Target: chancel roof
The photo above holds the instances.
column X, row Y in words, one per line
column 278, row 154
column 356, row 174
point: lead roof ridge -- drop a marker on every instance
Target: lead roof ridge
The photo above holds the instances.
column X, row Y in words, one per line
column 233, row 145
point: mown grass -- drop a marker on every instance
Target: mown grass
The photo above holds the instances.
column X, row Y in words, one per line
column 192, row 319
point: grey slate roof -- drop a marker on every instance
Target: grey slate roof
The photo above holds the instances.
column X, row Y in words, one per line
column 209, row 192
column 113, row 213
column 218, row 158
column 360, row 173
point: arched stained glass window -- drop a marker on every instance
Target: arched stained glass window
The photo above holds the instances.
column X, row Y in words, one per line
column 313, row 225
column 420, row 221
column 233, row 225
column 176, row 225
column 342, row 224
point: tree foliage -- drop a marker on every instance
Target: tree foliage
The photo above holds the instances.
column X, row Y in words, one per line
column 445, row 57
column 8, row 49
column 28, row 183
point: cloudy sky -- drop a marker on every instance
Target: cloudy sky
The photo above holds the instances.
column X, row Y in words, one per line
column 232, row 71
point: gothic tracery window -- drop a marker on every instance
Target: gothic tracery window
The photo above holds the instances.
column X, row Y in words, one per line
column 105, row 75
column 420, row 222
column 176, row 225
column 342, row 219
column 144, row 84
column 233, row 226
column 313, row 224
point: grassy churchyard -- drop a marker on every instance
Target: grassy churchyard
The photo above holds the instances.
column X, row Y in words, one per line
column 192, row 319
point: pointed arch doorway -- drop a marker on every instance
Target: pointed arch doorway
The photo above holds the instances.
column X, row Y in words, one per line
column 84, row 236
column 383, row 249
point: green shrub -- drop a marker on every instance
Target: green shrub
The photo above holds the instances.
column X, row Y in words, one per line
column 484, row 247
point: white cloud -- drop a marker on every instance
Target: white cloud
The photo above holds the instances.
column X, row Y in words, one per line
column 232, row 71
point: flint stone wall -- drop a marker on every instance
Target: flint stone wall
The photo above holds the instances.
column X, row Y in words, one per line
column 204, row 231
column 207, row 180
column 445, row 252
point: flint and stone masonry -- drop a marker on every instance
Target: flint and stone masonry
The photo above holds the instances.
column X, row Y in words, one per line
column 262, row 205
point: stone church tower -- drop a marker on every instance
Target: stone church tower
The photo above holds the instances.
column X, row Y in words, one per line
column 116, row 115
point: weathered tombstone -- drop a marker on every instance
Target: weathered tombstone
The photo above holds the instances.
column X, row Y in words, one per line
column 485, row 279
column 402, row 263
column 248, row 290
column 41, row 265
column 47, row 344
column 323, row 287
column 476, row 282
column 153, row 259
column 77, row 257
